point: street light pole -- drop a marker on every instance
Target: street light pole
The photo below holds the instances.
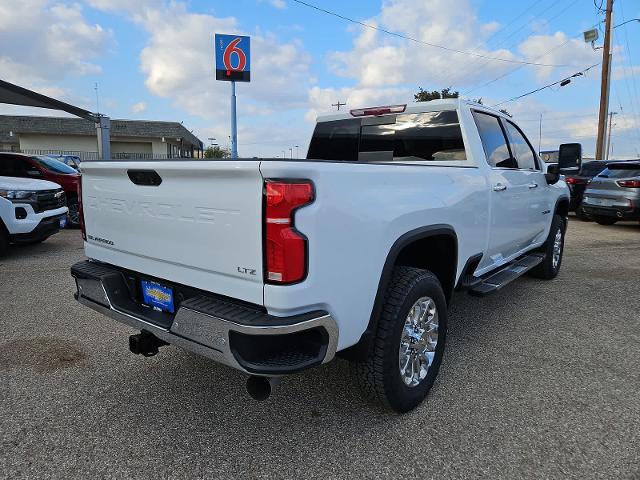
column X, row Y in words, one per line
column 611, row 114
column 604, row 87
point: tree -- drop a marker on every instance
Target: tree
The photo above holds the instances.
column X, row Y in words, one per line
column 425, row 96
column 216, row 152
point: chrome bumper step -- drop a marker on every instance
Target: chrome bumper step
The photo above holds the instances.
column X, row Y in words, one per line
column 240, row 335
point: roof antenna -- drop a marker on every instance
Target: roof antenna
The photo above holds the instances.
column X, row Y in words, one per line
column 97, row 98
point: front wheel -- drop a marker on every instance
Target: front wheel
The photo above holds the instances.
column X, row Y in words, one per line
column 409, row 342
column 4, row 240
column 553, row 249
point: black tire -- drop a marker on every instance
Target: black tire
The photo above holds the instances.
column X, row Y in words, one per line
column 547, row 270
column 378, row 376
column 582, row 215
column 4, row 240
column 605, row 220
column 73, row 217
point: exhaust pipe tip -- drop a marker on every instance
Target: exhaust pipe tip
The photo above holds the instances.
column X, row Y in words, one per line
column 260, row 388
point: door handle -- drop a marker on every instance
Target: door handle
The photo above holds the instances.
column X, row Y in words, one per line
column 499, row 187
column 533, row 185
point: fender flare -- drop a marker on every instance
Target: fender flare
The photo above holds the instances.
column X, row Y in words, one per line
column 360, row 349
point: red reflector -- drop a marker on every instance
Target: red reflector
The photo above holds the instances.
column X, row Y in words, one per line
column 629, row 183
column 363, row 112
column 286, row 248
column 80, row 210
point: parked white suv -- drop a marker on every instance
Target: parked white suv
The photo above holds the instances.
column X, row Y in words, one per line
column 30, row 210
column 274, row 266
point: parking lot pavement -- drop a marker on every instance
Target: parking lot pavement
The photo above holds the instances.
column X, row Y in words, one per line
column 539, row 380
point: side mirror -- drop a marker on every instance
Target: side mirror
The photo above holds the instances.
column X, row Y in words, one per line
column 553, row 174
column 569, row 158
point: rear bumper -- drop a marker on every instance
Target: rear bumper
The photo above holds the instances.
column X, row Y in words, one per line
column 238, row 335
column 620, row 213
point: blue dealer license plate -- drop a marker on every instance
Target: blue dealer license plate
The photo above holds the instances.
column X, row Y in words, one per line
column 157, row 296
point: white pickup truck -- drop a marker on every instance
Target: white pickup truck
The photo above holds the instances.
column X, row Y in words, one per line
column 30, row 210
column 275, row 266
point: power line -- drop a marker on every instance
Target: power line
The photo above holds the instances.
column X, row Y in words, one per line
column 633, row 98
column 501, row 44
column 412, row 39
column 577, row 74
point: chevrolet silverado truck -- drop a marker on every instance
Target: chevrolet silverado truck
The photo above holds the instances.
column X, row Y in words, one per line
column 30, row 211
column 275, row 266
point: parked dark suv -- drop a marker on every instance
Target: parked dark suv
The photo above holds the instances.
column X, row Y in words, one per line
column 578, row 183
column 44, row 168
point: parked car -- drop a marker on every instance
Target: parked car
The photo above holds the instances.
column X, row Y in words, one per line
column 614, row 194
column 72, row 161
column 30, row 210
column 44, row 168
column 274, row 266
column 578, row 183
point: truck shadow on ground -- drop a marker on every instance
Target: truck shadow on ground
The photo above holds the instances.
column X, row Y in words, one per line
column 188, row 391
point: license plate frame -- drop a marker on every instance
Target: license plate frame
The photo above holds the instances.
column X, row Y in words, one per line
column 157, row 296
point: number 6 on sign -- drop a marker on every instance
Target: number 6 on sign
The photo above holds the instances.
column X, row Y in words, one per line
column 233, row 58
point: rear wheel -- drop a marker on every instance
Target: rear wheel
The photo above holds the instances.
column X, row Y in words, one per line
column 409, row 342
column 74, row 213
column 605, row 220
column 553, row 249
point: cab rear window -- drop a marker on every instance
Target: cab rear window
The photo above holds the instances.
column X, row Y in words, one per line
column 409, row 137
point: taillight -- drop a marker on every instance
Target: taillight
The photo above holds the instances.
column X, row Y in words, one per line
column 80, row 211
column 629, row 183
column 285, row 247
column 576, row 181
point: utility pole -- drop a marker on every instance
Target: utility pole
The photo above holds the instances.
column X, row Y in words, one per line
column 611, row 114
column 339, row 104
column 606, row 77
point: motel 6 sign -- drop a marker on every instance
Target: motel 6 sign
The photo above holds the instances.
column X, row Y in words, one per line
column 233, row 58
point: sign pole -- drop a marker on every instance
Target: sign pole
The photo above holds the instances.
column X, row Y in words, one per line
column 233, row 64
column 234, row 122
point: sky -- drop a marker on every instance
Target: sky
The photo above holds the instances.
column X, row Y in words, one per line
column 154, row 59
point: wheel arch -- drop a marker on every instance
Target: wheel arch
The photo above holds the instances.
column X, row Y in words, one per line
column 434, row 248
column 562, row 207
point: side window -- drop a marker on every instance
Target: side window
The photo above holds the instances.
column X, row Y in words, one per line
column 9, row 167
column 525, row 156
column 494, row 141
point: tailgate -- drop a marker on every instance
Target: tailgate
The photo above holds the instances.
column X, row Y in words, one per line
column 201, row 226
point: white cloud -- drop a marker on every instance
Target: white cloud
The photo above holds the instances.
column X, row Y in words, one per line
column 178, row 63
column 388, row 69
column 138, row 107
column 558, row 49
column 620, row 72
column 43, row 42
column 275, row 3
